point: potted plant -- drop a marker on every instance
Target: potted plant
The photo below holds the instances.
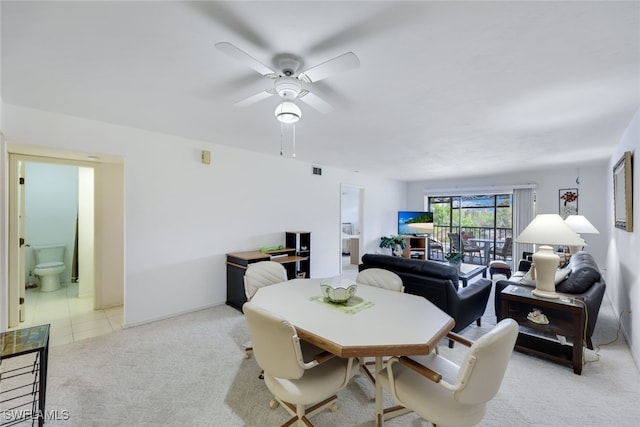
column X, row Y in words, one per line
column 395, row 243
column 454, row 257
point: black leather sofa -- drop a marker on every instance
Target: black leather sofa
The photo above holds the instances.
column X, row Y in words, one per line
column 437, row 282
column 583, row 282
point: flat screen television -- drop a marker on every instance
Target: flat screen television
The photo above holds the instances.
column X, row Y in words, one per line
column 406, row 218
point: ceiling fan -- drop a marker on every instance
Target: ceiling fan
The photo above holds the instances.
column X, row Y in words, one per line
column 291, row 83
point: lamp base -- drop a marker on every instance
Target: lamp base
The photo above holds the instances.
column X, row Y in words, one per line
column 545, row 294
column 546, row 262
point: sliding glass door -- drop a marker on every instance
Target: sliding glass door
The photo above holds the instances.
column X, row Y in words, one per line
column 484, row 221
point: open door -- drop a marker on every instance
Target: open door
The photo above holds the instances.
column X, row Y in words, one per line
column 17, row 244
column 351, row 225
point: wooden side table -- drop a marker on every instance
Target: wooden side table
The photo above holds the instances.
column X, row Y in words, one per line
column 561, row 340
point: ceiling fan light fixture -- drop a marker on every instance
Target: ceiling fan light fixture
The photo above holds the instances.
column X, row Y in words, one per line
column 288, row 112
column 288, row 87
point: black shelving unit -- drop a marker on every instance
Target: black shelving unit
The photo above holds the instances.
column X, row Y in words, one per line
column 301, row 241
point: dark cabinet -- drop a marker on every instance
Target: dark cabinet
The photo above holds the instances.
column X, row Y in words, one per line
column 301, row 242
column 295, row 257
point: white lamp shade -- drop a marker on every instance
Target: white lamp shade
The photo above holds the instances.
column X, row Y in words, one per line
column 581, row 225
column 549, row 229
column 288, row 112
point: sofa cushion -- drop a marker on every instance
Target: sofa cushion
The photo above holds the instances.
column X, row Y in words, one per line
column 561, row 275
column 579, row 281
column 584, row 273
column 525, row 278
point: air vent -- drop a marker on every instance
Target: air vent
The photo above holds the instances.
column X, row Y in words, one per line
column 317, row 170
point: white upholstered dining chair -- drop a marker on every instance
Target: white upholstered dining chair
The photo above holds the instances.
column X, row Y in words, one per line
column 444, row 393
column 380, row 278
column 263, row 273
column 294, row 381
column 259, row 274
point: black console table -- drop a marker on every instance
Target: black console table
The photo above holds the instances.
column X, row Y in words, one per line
column 23, row 385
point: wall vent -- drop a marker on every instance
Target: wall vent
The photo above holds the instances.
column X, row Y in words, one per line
column 317, row 170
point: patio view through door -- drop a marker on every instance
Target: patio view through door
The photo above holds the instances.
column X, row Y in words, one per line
column 482, row 221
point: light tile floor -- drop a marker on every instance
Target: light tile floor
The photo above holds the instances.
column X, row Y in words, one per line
column 71, row 318
column 349, row 271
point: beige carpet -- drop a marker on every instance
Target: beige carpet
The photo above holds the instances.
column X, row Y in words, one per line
column 191, row 371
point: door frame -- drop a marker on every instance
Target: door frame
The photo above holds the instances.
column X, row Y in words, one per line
column 109, row 185
column 361, row 227
column 16, row 255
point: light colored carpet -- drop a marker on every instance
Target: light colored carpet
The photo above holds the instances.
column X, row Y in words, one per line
column 191, row 371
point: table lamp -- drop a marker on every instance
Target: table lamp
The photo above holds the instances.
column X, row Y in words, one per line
column 548, row 229
column 580, row 225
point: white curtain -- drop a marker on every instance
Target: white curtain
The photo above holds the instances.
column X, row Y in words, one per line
column 523, row 213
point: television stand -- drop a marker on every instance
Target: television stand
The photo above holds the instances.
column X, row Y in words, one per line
column 417, row 247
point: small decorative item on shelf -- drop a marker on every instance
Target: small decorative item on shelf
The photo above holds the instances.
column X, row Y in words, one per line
column 537, row 316
column 395, row 243
column 454, row 258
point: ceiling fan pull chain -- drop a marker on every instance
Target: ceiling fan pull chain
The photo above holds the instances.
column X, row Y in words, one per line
column 281, row 131
column 293, row 127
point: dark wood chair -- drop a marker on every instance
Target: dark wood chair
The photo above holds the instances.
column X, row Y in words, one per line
column 458, row 245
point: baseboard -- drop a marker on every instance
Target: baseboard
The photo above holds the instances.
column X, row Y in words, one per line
column 169, row 316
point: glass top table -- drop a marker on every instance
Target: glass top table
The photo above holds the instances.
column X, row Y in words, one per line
column 467, row 272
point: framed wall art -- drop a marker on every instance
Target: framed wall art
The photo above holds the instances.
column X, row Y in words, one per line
column 568, row 202
column 623, row 192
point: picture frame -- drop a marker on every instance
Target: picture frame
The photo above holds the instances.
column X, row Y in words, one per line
column 623, row 192
column 567, row 202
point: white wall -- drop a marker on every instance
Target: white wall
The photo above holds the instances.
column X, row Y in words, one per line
column 51, row 209
column 594, row 180
column 623, row 248
column 182, row 216
column 109, row 237
column 86, row 241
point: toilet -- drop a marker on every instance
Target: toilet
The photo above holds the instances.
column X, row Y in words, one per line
column 49, row 265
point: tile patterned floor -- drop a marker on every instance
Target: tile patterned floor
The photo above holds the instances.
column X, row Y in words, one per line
column 72, row 318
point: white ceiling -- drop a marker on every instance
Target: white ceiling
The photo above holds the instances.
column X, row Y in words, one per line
column 445, row 89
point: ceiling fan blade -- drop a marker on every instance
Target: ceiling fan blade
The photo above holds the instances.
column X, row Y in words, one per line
column 385, row 19
column 346, row 61
column 317, row 103
column 244, row 57
column 223, row 15
column 253, row 99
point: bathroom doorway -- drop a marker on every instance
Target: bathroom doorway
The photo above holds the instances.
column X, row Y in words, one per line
column 351, row 228
column 55, row 202
column 92, row 190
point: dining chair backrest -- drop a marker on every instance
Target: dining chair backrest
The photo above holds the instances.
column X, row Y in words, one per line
column 380, row 278
column 486, row 362
column 507, row 247
column 263, row 273
column 454, row 241
column 276, row 345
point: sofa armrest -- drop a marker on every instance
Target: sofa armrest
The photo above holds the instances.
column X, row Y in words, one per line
column 592, row 299
column 469, row 303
